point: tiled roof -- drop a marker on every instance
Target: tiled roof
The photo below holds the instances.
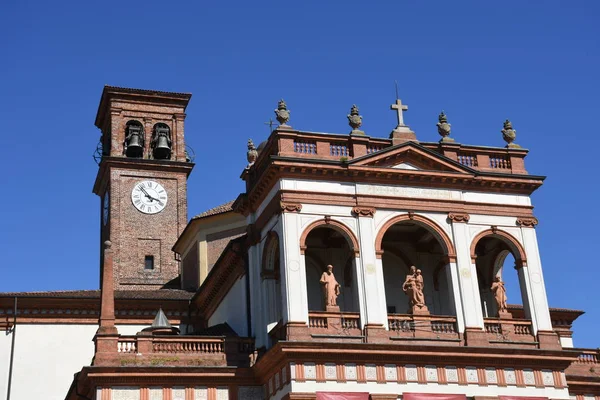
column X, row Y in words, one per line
column 223, row 208
column 161, row 294
column 145, row 91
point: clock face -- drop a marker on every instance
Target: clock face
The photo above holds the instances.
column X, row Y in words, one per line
column 149, row 197
column 105, row 208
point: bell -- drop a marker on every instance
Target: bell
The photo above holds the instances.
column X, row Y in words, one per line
column 162, row 150
column 135, row 148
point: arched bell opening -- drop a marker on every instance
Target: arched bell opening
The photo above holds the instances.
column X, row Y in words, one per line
column 498, row 261
column 133, row 145
column 410, row 243
column 325, row 246
column 161, row 142
column 271, row 280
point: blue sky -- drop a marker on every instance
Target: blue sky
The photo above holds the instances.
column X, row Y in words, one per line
column 536, row 63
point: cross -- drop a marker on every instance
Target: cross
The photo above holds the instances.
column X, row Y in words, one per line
column 399, row 107
column 270, row 123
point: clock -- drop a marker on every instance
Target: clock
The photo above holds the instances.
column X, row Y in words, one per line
column 149, row 197
column 105, row 208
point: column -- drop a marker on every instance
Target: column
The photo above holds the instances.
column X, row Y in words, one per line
column 369, row 272
column 532, row 276
column 293, row 271
column 455, row 296
column 465, row 274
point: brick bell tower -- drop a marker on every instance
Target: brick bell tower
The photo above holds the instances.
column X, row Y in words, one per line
column 142, row 184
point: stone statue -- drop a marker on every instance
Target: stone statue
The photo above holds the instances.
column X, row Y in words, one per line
column 355, row 121
column 499, row 292
column 509, row 134
column 251, row 154
column 331, row 288
column 413, row 287
column 282, row 114
column 444, row 128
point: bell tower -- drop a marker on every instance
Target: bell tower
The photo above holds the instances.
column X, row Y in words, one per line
column 142, row 183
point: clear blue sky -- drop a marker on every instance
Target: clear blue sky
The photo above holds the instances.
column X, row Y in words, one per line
column 535, row 62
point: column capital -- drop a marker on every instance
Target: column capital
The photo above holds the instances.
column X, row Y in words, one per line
column 459, row 217
column 363, row 211
column 528, row 222
column 290, row 207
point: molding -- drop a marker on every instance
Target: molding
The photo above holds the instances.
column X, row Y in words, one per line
column 459, row 217
column 363, row 211
column 528, row 222
column 333, row 224
column 426, row 223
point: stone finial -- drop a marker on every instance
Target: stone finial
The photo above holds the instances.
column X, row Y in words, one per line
column 509, row 135
column 252, row 153
column 282, row 114
column 355, row 121
column 444, row 128
column 107, row 244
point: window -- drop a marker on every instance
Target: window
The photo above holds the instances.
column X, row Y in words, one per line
column 149, row 262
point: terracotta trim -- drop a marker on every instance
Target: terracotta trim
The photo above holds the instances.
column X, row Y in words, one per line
column 481, row 378
column 426, row 223
column 527, row 222
column 539, row 380
column 421, row 374
column 361, row 374
column 520, row 378
column 300, row 372
column 333, row 224
column 363, row 211
column 340, row 370
column 441, row 373
column 558, row 383
column 458, row 217
column 168, row 394
column 320, row 372
column 520, row 255
column 106, row 393
column 189, row 393
column 401, row 373
column 290, row 207
column 380, row 373
column 462, row 375
column 500, row 377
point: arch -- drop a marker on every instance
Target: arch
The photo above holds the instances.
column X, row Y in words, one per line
column 333, row 224
column 422, row 221
column 514, row 245
column 269, row 255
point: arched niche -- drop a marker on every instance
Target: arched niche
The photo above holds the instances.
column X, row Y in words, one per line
column 271, row 278
column 133, row 143
column 330, row 243
column 407, row 240
column 496, row 254
column 161, row 141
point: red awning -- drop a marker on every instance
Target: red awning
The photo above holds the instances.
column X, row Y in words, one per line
column 436, row 396
column 342, row 396
column 521, row 398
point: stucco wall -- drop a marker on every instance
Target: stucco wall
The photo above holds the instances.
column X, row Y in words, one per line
column 46, row 358
column 233, row 309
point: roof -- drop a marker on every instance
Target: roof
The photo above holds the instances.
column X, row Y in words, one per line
column 161, row 294
column 145, row 91
column 222, row 209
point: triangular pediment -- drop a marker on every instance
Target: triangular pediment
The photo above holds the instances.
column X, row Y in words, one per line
column 410, row 156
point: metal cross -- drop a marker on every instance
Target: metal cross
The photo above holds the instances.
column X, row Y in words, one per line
column 270, row 123
column 399, row 107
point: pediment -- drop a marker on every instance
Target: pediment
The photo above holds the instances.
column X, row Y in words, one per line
column 410, row 156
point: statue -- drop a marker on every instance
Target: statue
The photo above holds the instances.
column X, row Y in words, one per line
column 355, row 121
column 499, row 292
column 331, row 289
column 413, row 287
column 282, row 114
column 252, row 153
column 444, row 128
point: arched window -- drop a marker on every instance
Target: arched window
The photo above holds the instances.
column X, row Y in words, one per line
column 271, row 279
column 133, row 145
column 412, row 240
column 497, row 255
column 161, row 142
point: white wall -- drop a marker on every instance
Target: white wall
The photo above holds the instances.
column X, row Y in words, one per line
column 233, row 309
column 46, row 358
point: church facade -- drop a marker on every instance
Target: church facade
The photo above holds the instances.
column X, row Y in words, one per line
column 351, row 267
